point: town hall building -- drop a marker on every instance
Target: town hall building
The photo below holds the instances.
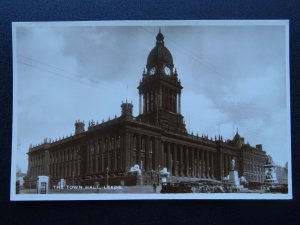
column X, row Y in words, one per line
column 156, row 138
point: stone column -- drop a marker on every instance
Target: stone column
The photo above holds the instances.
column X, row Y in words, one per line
column 169, row 158
column 221, row 166
column 47, row 163
column 96, row 156
column 88, row 159
column 192, row 162
column 62, row 166
column 140, row 103
column 73, row 161
column 155, row 100
column 181, row 161
column 133, row 145
column 166, row 98
column 58, row 165
column 212, row 166
column 175, row 161
column 225, row 164
column 151, row 101
column 207, row 165
column 148, row 102
column 197, row 164
column 115, row 153
column 78, row 167
column 179, row 103
column 147, row 161
column 229, row 162
column 102, row 154
column 162, row 159
column 187, row 163
column 108, row 154
column 115, row 160
column 157, row 153
column 204, row 164
column 55, row 167
column 138, row 150
column 90, row 162
column 29, row 166
column 120, row 157
column 144, row 103
column 126, row 142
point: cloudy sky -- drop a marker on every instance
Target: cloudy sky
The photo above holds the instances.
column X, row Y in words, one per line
column 234, row 76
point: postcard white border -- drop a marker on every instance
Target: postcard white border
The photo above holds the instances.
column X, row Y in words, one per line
column 207, row 196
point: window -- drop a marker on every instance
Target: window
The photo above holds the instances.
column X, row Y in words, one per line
column 150, row 146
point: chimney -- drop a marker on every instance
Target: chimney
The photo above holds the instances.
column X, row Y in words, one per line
column 259, row 147
column 79, row 127
column 127, row 110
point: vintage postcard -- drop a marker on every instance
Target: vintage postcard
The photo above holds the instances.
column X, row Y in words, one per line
column 151, row 110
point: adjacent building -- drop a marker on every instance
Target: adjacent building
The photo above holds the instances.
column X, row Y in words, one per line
column 282, row 174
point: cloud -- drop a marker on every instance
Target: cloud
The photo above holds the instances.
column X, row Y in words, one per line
column 105, row 53
column 233, row 76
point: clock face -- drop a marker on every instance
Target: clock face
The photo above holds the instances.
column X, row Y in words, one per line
column 167, row 70
column 152, row 71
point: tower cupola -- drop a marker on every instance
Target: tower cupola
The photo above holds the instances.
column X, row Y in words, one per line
column 160, row 60
column 160, row 90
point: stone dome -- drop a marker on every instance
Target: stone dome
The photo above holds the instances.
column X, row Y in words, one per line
column 159, row 55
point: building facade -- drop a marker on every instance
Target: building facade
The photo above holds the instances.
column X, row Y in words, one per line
column 282, row 174
column 157, row 138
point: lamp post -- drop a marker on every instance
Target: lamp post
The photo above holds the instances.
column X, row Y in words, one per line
column 107, row 177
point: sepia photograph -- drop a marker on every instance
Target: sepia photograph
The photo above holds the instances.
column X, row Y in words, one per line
column 121, row 110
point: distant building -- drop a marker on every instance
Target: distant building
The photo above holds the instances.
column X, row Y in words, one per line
column 20, row 178
column 155, row 139
column 282, row 174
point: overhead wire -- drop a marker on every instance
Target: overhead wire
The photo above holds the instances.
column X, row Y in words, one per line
column 37, row 64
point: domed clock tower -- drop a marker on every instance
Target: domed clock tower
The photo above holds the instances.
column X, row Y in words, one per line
column 160, row 90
